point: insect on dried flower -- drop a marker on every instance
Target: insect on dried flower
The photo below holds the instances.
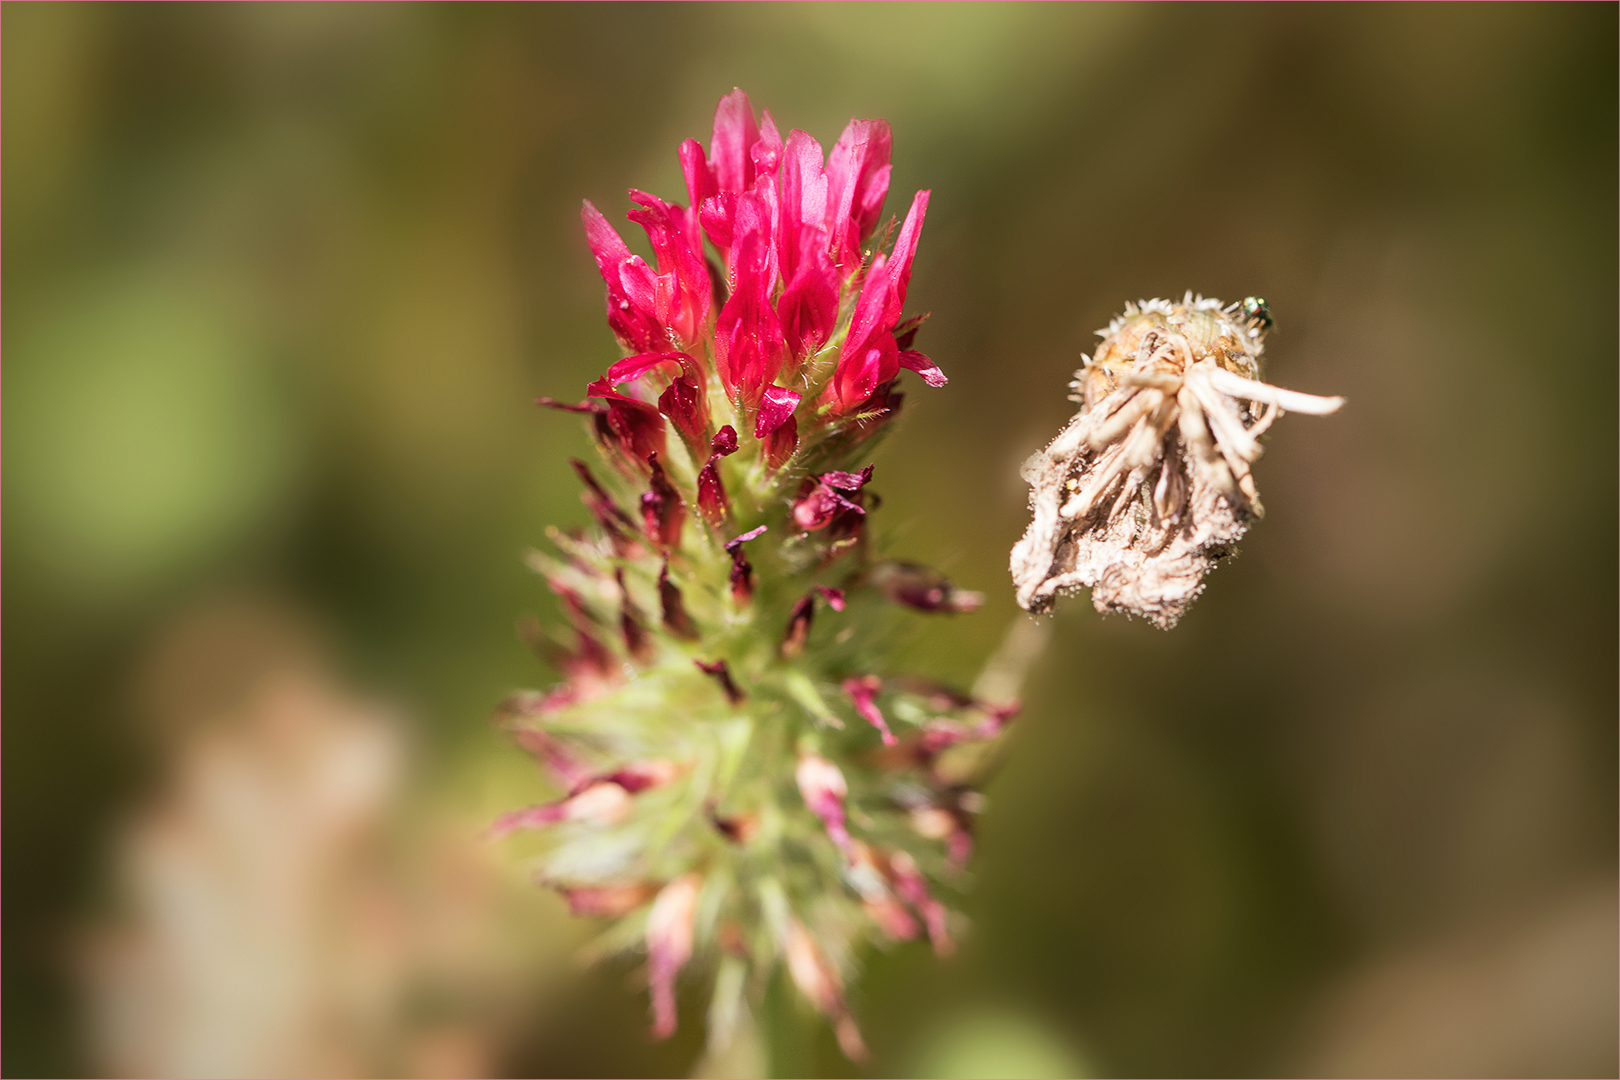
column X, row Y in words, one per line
column 1150, row 483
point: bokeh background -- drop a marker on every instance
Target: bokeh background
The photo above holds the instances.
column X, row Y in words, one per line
column 281, row 283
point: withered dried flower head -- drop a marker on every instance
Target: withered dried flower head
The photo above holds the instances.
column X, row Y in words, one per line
column 1149, row 484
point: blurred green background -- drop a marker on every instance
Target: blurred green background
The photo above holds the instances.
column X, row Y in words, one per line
column 283, row 280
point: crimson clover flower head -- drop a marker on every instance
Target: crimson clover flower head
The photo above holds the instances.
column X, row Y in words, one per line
column 797, row 321
column 743, row 785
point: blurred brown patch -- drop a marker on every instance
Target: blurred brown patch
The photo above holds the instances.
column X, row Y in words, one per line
column 272, row 923
column 1534, row 996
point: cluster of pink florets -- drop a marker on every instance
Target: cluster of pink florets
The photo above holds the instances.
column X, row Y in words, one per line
column 793, row 327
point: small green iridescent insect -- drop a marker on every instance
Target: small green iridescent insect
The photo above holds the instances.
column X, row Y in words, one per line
column 1255, row 309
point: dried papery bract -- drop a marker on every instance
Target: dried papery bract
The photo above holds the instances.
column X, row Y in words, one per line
column 743, row 786
column 1150, row 483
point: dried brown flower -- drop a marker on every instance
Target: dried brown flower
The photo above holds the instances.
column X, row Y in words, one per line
column 1149, row 484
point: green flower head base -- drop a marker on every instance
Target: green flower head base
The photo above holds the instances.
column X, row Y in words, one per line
column 748, row 789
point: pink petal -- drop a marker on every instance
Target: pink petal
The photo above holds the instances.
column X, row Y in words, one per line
column 683, row 403
column 863, row 693
column 640, row 285
column 843, row 166
column 856, row 381
column 613, row 520
column 872, row 186
column 754, row 216
column 742, row 571
column 823, row 788
column 699, row 179
column 722, row 675
column 603, row 389
column 676, row 620
column 916, row 361
column 735, row 134
column 606, row 901
column 775, row 408
column 571, row 772
column 871, row 308
column 582, row 407
column 891, row 916
column 767, row 152
column 684, row 295
column 634, row 322
column 638, row 776
column 848, row 481
column 654, row 219
column 869, row 357
column 905, row 248
column 857, row 181
column 748, row 338
column 804, row 198
column 834, row 597
column 913, row 889
column 533, row 817
column 808, row 307
column 711, row 494
column 817, row 509
column 633, row 367
column 724, row 443
column 819, row 982
column 606, row 244
column 633, row 428
column 922, row 587
column 662, row 509
column 669, row 946
column 715, row 216
column 782, row 444
column 637, row 645
column 803, row 614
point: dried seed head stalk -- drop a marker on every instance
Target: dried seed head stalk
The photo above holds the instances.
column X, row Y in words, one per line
column 745, row 785
column 1150, row 484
